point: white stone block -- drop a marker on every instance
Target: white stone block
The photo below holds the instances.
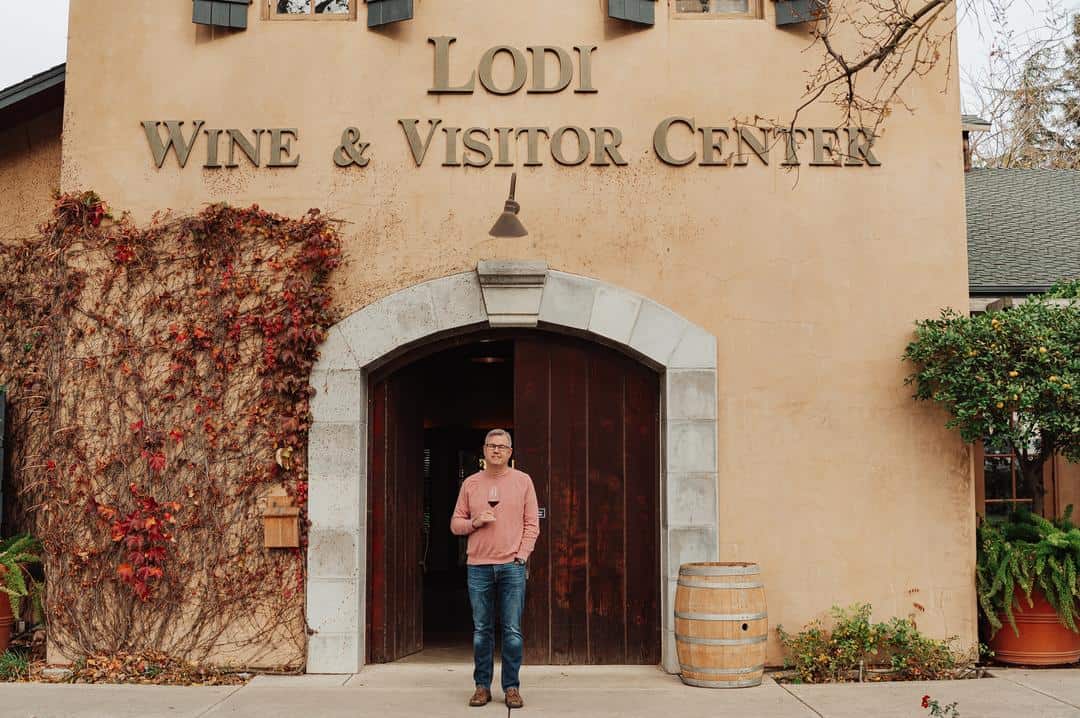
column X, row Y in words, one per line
column 334, row 653
column 513, row 301
column 691, row 500
column 336, row 502
column 340, row 396
column 512, row 291
column 614, row 314
column 458, row 301
column 671, row 585
column 696, row 350
column 333, row 606
column 670, row 661
column 410, row 314
column 657, row 332
column 690, row 545
column 333, row 553
column 568, row 300
column 334, row 450
column 367, row 332
column 691, row 447
column 691, row 394
column 335, row 353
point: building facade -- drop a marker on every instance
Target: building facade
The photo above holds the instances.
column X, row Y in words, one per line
column 696, row 347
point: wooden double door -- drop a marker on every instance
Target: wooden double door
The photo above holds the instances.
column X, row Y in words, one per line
column 586, row 429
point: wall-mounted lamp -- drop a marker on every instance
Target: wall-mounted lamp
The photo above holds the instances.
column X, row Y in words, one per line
column 508, row 225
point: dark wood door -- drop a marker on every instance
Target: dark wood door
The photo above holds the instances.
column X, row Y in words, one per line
column 586, row 429
column 395, row 514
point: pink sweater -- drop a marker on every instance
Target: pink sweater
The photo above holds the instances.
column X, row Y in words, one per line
column 516, row 527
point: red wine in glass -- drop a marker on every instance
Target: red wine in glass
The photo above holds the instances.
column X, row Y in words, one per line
column 493, row 497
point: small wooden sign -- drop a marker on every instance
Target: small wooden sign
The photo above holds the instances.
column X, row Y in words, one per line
column 281, row 521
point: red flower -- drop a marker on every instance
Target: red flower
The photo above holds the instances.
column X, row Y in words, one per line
column 926, row 701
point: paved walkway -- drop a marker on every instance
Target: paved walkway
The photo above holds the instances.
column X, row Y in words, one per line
column 441, row 689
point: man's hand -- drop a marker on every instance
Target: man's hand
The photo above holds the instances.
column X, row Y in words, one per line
column 483, row 519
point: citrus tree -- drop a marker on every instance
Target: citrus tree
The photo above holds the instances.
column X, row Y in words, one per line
column 1013, row 375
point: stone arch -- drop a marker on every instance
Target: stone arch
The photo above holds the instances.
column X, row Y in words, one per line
column 498, row 294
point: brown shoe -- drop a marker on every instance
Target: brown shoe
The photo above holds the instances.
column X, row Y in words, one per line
column 481, row 697
column 513, row 698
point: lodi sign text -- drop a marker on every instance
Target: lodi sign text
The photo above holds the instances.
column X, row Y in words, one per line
column 677, row 140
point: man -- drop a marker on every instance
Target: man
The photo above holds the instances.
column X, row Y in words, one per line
column 497, row 510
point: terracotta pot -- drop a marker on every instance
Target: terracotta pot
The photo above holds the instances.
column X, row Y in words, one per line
column 6, row 621
column 1043, row 640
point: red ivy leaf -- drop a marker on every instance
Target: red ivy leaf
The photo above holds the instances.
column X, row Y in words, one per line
column 157, row 462
column 137, row 426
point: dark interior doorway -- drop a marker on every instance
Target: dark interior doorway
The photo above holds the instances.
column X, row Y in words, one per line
column 467, row 392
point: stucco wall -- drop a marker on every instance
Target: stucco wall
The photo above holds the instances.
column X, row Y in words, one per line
column 29, row 173
column 830, row 476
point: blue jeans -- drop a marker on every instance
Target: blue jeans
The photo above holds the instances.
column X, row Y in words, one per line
column 505, row 582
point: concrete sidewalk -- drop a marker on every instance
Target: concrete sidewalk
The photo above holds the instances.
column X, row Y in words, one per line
column 437, row 690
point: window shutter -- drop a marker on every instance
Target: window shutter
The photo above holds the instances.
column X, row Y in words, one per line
column 220, row 13
column 384, row 12
column 642, row 12
column 792, row 12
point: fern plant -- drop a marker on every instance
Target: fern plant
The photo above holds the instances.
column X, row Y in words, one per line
column 15, row 554
column 1027, row 552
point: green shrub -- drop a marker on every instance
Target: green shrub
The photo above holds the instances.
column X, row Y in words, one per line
column 13, row 666
column 822, row 655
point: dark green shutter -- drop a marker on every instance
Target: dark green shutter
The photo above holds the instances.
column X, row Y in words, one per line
column 220, row 13
column 384, row 12
column 792, row 12
column 642, row 12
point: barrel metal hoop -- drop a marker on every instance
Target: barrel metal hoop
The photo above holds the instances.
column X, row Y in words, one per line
column 721, row 684
column 721, row 616
column 719, row 570
column 704, row 584
column 721, row 641
column 724, row 671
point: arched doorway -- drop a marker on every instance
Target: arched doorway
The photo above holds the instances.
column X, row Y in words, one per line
column 498, row 294
column 585, row 421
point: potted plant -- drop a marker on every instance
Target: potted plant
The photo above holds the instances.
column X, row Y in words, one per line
column 1026, row 576
column 16, row 582
column 1015, row 376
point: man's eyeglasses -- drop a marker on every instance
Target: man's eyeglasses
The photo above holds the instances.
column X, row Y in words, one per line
column 497, row 447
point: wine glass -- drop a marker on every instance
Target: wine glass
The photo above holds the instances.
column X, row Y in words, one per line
column 493, row 497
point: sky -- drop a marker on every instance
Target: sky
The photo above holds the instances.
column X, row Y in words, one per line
column 35, row 35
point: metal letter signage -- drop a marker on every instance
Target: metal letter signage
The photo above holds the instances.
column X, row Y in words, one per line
column 505, row 70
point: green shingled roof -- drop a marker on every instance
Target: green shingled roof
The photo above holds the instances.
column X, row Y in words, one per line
column 1023, row 229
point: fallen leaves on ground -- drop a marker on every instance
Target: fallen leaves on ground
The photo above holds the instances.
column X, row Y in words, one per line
column 147, row 668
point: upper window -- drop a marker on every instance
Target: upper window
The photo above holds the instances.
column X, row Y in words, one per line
column 328, row 9
column 718, row 8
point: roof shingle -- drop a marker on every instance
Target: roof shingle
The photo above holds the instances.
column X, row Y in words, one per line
column 1023, row 228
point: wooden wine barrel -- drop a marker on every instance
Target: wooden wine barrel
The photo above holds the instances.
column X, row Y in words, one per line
column 721, row 624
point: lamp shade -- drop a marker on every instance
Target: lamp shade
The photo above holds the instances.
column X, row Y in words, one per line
column 508, row 225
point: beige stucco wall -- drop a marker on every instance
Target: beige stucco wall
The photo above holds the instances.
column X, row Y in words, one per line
column 830, row 476
column 29, row 173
